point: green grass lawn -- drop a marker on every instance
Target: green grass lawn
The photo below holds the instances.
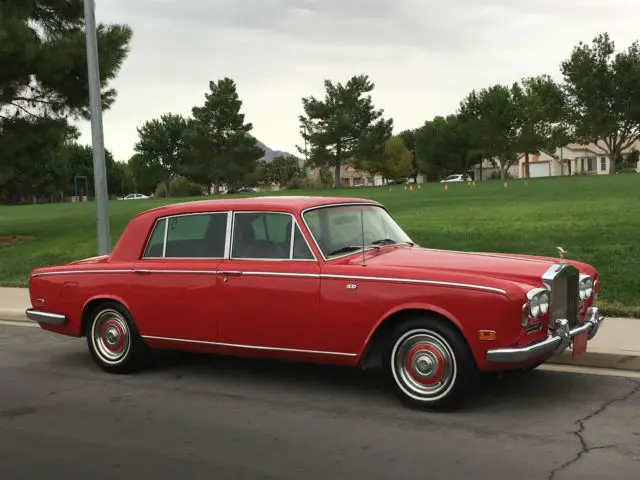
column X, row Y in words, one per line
column 597, row 219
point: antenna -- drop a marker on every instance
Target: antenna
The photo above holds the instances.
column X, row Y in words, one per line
column 364, row 264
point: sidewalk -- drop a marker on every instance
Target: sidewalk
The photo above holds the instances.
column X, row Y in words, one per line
column 617, row 344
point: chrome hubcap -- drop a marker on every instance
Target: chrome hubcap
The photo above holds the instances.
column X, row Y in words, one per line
column 423, row 364
column 111, row 336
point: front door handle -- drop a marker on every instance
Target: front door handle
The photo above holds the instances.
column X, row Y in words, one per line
column 230, row 272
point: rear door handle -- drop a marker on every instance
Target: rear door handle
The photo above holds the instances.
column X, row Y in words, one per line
column 142, row 271
column 230, row 272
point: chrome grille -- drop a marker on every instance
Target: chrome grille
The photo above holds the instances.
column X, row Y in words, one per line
column 564, row 296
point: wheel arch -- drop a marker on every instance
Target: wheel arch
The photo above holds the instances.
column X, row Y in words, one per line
column 371, row 355
column 91, row 304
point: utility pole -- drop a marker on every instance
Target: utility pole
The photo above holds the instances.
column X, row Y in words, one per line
column 97, row 136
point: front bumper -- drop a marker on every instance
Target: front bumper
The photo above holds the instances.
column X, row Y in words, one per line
column 45, row 317
column 555, row 344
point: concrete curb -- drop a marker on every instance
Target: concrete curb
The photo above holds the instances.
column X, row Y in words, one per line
column 613, row 360
column 14, row 315
column 620, row 360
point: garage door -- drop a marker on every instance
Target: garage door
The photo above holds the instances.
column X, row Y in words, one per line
column 539, row 169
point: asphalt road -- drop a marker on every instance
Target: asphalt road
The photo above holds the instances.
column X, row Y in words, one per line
column 197, row 416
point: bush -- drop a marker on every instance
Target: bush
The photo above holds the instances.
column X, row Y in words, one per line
column 297, row 183
column 627, row 170
column 181, row 187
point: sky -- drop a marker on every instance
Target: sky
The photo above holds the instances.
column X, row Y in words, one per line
column 424, row 56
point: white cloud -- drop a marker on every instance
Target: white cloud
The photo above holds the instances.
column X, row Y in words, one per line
column 424, row 56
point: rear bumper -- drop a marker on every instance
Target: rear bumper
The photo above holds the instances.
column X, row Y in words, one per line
column 45, row 317
column 555, row 344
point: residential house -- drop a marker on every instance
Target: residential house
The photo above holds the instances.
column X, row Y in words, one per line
column 572, row 159
column 349, row 176
column 488, row 170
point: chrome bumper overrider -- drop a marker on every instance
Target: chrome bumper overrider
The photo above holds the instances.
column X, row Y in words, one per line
column 45, row 317
column 555, row 344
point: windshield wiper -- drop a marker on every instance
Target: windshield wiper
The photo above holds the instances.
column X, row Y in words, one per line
column 389, row 241
column 346, row 248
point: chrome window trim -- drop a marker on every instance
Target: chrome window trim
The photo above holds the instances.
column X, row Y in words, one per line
column 277, row 212
column 293, row 239
column 166, row 234
column 435, row 283
column 251, row 347
column 345, row 204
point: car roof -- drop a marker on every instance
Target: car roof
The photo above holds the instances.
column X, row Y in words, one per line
column 287, row 203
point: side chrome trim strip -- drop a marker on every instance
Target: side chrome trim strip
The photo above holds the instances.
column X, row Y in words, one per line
column 283, row 274
column 294, row 274
column 187, row 272
column 76, row 272
column 250, row 347
column 417, row 281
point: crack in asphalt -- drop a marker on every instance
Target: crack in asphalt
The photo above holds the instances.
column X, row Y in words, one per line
column 579, row 433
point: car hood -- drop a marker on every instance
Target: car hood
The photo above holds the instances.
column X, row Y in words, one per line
column 512, row 267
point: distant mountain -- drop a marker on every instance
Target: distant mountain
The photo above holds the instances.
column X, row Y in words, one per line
column 269, row 154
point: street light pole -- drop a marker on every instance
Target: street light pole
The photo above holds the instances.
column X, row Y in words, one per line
column 97, row 136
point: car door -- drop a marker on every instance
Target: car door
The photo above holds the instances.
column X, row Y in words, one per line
column 269, row 297
column 175, row 281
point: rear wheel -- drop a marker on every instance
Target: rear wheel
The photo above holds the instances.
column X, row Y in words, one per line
column 430, row 364
column 113, row 339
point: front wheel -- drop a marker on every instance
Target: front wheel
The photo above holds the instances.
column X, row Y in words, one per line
column 113, row 340
column 430, row 364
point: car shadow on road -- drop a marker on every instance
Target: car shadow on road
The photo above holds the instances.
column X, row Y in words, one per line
column 495, row 390
column 518, row 392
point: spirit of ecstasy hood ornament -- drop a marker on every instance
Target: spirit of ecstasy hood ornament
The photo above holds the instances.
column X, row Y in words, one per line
column 562, row 252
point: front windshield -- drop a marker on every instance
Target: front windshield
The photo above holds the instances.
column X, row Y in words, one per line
column 338, row 229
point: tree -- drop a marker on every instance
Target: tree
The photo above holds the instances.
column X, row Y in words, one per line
column 494, row 118
column 603, row 92
column 162, row 147
column 78, row 160
column 44, row 62
column 282, row 170
column 409, row 138
column 397, row 160
column 32, row 157
column 219, row 146
column 145, row 176
column 443, row 146
column 345, row 126
column 541, row 103
column 43, row 83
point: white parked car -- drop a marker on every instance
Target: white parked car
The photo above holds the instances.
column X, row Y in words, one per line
column 458, row 177
column 135, row 196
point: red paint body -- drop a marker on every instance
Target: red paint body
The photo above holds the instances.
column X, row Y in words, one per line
column 310, row 310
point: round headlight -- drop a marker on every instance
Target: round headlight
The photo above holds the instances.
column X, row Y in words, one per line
column 583, row 290
column 534, row 306
column 543, row 300
column 588, row 287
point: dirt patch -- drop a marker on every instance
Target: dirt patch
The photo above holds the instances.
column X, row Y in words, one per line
column 8, row 240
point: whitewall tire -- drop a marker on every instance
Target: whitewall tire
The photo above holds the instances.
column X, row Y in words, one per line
column 113, row 339
column 429, row 364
